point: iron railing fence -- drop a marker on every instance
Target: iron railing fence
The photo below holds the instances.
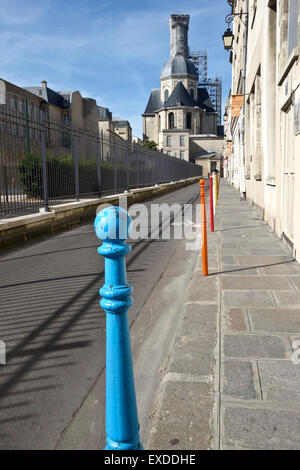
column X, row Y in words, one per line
column 45, row 162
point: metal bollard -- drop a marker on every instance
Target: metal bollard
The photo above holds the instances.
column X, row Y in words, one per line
column 122, row 427
column 216, row 190
column 211, row 200
column 203, row 229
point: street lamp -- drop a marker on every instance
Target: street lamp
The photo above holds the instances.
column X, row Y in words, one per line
column 228, row 38
column 225, row 117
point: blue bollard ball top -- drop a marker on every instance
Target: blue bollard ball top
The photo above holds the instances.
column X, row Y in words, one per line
column 112, row 223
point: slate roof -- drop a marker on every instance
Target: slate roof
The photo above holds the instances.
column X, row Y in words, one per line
column 154, row 103
column 179, row 97
column 204, row 101
column 122, row 123
column 51, row 96
column 179, row 65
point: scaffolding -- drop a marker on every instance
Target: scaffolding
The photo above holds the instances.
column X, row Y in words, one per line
column 213, row 85
column 214, row 89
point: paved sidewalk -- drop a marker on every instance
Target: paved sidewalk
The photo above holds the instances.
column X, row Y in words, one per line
column 229, row 381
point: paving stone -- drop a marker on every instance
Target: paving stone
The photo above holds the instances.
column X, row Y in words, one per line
column 290, row 268
column 184, row 417
column 239, row 380
column 193, row 350
column 279, row 250
column 280, row 380
column 227, row 259
column 235, row 320
column 254, row 346
column 291, row 299
column 232, row 251
column 257, row 283
column 262, row 260
column 247, row 299
column 261, row 429
column 296, row 281
column 237, row 270
column 285, row 320
column 229, row 245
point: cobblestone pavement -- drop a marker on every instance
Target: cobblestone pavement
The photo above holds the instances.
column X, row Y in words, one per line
column 230, row 382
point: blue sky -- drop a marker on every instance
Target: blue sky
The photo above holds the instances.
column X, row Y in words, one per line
column 112, row 51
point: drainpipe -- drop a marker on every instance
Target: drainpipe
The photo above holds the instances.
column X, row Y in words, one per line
column 242, row 153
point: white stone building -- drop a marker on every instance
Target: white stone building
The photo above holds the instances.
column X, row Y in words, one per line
column 264, row 163
column 179, row 113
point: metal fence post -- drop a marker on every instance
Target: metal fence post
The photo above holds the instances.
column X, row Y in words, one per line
column 127, row 167
column 115, row 168
column 137, row 170
column 44, row 164
column 98, row 152
column 76, row 165
column 5, row 183
column 122, row 427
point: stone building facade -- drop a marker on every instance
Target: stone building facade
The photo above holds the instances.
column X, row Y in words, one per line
column 179, row 113
column 264, row 161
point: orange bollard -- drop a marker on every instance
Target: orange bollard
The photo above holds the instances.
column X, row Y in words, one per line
column 203, row 228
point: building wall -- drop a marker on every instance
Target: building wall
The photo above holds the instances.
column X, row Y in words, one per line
column 179, row 144
column 124, row 131
column 270, row 169
column 200, row 144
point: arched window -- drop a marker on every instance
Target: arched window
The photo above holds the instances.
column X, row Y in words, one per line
column 159, row 123
column 189, row 121
column 166, row 94
column 192, row 93
column 171, row 121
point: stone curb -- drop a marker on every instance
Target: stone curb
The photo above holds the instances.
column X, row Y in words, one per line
column 19, row 230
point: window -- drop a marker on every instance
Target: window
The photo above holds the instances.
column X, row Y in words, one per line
column 182, row 152
column 182, row 141
column 21, row 105
column 166, row 94
column 292, row 26
column 169, row 153
column 189, row 121
column 12, row 102
column 171, row 121
column 192, row 93
column 169, row 141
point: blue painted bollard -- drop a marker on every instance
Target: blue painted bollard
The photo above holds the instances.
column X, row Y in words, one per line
column 122, row 427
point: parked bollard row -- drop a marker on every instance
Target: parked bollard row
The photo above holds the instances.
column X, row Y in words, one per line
column 203, row 228
column 122, row 428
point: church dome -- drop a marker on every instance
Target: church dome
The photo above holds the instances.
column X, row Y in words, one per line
column 179, row 65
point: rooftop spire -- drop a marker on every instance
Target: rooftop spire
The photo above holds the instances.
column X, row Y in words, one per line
column 179, row 26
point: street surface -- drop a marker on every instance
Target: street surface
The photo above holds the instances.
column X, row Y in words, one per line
column 52, row 389
column 216, row 358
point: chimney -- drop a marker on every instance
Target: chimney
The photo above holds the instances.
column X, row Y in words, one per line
column 44, row 83
column 179, row 26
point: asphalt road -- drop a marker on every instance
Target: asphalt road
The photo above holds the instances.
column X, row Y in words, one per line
column 52, row 389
